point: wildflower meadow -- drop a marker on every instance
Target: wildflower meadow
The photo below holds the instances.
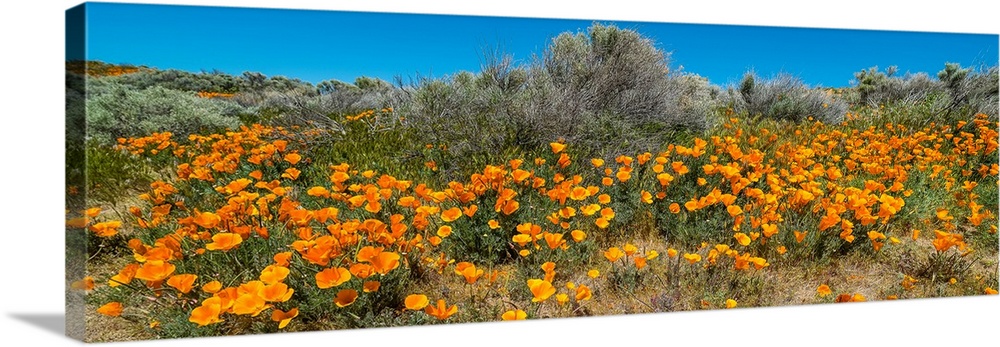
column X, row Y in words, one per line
column 207, row 204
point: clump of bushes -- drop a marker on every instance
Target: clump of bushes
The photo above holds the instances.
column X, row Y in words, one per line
column 121, row 111
column 876, row 88
column 954, row 93
column 784, row 97
column 607, row 91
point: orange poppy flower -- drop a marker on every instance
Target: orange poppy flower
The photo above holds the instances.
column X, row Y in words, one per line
column 640, row 262
column 87, row 283
column 345, row 297
column 857, row 297
column 293, row 158
column 78, row 222
column 553, row 240
column 277, row 292
column 521, row 239
column 742, row 238
column 291, row 173
column 541, row 289
column 113, row 309
column 451, row 214
column 124, row 276
column 734, row 210
column 562, row 298
column 371, row 286
column 630, row 249
column 92, row 212
column 184, row 283
column 593, row 273
column 613, row 254
column 604, row 199
column 224, row 241
column 211, row 287
column 367, row 253
column 578, row 235
column 769, row 229
column 470, row 211
column 207, row 220
column 823, row 290
column 583, row 292
column 385, row 262
column 332, row 277
column 284, row 317
column 318, row 191
column 362, row 270
column 601, row 222
column 549, row 267
column 273, row 274
column 416, row 301
column 514, row 315
column 469, row 271
column 692, row 257
column 106, row 229
column 207, row 313
column 441, row 311
column 730, row 303
column 444, row 231
column 154, row 270
column 646, row 197
column 557, row 147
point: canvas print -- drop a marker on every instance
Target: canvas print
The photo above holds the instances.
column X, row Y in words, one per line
column 331, row 170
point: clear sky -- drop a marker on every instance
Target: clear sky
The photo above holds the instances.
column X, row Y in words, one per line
column 320, row 45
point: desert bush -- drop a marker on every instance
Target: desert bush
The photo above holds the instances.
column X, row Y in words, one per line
column 122, row 111
column 618, row 79
column 955, row 94
column 784, row 97
column 473, row 114
column 971, row 91
column 875, row 88
column 608, row 91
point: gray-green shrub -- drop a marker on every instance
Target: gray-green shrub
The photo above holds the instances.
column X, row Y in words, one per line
column 122, row 111
column 784, row 97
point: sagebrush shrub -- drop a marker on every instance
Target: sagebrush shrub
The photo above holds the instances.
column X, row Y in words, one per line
column 784, row 97
column 122, row 111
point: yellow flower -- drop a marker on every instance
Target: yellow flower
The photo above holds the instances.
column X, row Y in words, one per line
column 514, row 315
column 692, row 257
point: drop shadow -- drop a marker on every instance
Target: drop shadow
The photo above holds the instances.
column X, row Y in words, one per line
column 52, row 322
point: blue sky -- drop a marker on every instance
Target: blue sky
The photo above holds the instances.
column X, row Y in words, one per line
column 319, row 45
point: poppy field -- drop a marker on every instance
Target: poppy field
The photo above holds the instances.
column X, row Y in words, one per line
column 249, row 232
column 215, row 205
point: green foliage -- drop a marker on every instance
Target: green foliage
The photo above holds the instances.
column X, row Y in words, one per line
column 121, row 111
